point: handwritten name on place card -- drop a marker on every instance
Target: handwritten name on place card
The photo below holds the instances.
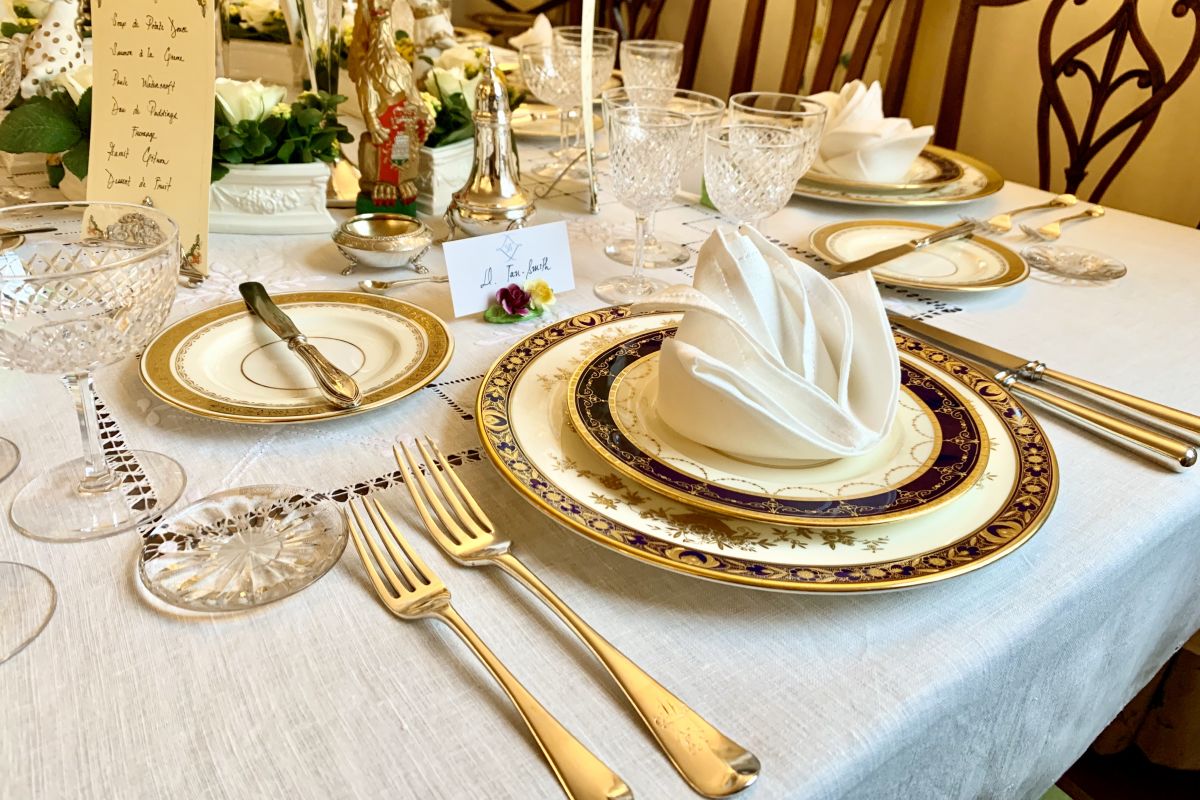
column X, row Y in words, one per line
column 481, row 266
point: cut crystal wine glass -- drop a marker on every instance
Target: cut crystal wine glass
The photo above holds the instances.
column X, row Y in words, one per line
column 705, row 111
column 91, row 293
column 647, row 147
column 651, row 63
column 750, row 171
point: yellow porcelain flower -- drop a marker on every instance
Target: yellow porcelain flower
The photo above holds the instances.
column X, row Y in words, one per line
column 540, row 292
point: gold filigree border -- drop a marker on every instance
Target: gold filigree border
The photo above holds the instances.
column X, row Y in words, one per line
column 1028, row 505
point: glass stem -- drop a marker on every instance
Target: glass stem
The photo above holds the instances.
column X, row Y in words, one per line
column 97, row 477
column 564, row 118
column 639, row 246
column 651, row 242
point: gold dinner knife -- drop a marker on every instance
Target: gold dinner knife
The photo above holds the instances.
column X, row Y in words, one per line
column 336, row 385
column 1017, row 373
column 959, row 231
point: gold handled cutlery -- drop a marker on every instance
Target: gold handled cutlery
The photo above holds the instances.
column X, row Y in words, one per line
column 410, row 590
column 1052, row 230
column 1174, row 446
column 949, row 233
column 1003, row 223
column 711, row 763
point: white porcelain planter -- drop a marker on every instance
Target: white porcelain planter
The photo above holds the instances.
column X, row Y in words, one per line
column 71, row 187
column 444, row 170
column 271, row 198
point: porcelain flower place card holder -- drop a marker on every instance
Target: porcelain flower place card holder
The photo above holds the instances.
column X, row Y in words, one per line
column 151, row 142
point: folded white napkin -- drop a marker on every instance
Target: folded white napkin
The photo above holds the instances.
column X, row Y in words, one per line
column 774, row 363
column 541, row 33
column 862, row 144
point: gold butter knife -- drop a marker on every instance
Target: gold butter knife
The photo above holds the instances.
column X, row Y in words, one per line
column 335, row 384
column 1017, row 373
column 959, row 231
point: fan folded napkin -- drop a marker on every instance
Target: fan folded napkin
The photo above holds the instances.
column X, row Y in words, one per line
column 862, row 144
column 772, row 362
column 540, row 33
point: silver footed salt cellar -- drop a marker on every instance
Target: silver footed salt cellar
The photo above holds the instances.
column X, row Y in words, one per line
column 493, row 199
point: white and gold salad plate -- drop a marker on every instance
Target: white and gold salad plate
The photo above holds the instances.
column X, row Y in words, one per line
column 977, row 180
column 931, row 170
column 523, row 422
column 973, row 264
column 224, row 363
column 934, row 452
column 540, row 121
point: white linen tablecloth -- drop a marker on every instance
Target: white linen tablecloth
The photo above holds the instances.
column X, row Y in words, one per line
column 984, row 686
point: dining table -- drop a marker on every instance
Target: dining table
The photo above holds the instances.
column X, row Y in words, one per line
column 987, row 685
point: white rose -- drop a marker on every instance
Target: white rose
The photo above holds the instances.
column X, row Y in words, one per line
column 460, row 56
column 241, row 100
column 75, row 82
column 256, row 14
column 37, row 8
column 445, row 83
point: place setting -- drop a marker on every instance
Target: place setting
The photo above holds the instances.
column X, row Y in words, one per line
column 433, row 363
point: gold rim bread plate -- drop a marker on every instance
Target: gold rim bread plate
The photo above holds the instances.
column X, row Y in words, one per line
column 978, row 180
column 934, row 452
column 223, row 364
column 939, row 170
column 973, row 264
column 521, row 415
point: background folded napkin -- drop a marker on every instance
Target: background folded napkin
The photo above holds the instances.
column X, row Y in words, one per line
column 540, row 33
column 772, row 362
column 860, row 143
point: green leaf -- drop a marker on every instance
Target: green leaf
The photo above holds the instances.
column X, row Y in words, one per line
column 76, row 159
column 309, row 118
column 498, row 315
column 54, row 174
column 272, row 126
column 83, row 113
column 232, row 142
column 257, row 144
column 285, row 151
column 39, row 127
column 219, row 171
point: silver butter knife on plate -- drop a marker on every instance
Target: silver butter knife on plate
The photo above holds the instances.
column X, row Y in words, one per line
column 1176, row 451
column 335, row 384
column 959, row 231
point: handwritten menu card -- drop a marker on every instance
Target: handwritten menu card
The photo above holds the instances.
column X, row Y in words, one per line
column 152, row 111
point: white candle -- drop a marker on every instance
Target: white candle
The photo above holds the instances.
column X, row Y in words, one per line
column 586, row 111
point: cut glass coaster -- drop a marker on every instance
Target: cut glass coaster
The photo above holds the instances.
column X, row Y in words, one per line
column 242, row 548
column 1077, row 263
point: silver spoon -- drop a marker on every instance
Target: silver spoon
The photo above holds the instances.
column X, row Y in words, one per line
column 381, row 287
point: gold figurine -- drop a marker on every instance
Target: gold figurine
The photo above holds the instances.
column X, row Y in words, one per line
column 397, row 121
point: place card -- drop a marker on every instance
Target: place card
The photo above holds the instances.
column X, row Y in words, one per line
column 480, row 266
column 153, row 109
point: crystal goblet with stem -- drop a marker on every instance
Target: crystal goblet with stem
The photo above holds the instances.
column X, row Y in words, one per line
column 651, row 62
column 647, row 148
column 604, row 60
column 90, row 294
column 777, row 108
column 750, row 171
column 706, row 111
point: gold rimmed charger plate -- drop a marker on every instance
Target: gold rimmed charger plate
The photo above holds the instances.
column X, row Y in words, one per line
column 930, row 171
column 223, row 363
column 933, row 453
column 978, row 180
column 523, row 424
column 973, row 264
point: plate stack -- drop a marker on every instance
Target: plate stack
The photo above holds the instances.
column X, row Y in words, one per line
column 963, row 477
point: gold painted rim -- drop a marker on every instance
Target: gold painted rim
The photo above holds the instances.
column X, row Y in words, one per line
column 949, row 171
column 994, row 184
column 762, row 516
column 154, row 367
column 999, row 396
column 1017, row 270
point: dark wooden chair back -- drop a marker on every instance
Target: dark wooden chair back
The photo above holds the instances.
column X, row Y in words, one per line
column 836, row 49
column 1086, row 136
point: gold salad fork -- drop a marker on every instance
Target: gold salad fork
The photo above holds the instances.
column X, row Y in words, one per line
column 1052, row 230
column 711, row 763
column 410, row 590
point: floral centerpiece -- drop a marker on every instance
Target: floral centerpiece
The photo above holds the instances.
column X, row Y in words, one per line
column 28, row 13
column 256, row 20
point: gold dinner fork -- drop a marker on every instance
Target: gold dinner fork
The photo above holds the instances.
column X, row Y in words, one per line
column 410, row 590
column 1052, row 230
column 711, row 763
column 1003, row 223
